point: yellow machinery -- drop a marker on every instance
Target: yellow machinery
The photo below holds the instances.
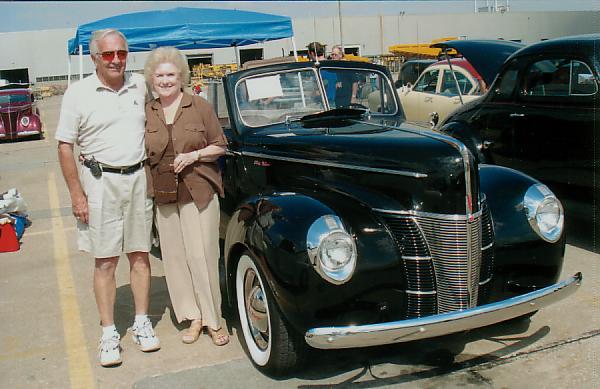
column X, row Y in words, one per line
column 421, row 50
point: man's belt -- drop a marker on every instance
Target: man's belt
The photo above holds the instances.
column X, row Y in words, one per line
column 97, row 168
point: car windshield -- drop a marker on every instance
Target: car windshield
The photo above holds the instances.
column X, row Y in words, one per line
column 270, row 98
column 277, row 97
column 16, row 98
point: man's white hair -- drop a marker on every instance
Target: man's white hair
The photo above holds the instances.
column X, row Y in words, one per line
column 98, row 35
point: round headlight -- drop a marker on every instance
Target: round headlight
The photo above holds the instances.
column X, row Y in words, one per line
column 331, row 249
column 544, row 212
column 25, row 121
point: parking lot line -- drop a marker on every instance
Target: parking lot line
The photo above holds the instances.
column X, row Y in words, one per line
column 80, row 372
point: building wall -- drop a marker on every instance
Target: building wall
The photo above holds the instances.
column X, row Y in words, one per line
column 44, row 52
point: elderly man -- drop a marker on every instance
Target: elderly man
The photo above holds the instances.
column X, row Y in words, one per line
column 104, row 115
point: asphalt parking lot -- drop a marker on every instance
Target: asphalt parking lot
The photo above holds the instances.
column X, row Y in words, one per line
column 50, row 327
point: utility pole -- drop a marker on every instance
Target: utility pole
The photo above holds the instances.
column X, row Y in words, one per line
column 340, row 17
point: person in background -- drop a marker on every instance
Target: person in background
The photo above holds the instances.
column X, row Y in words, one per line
column 104, row 115
column 347, row 84
column 316, row 53
column 183, row 141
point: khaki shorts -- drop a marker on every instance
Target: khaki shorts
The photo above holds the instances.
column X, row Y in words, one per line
column 120, row 214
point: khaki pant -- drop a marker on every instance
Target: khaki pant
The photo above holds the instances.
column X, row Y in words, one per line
column 189, row 241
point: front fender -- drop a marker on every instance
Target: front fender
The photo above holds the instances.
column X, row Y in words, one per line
column 274, row 229
column 523, row 260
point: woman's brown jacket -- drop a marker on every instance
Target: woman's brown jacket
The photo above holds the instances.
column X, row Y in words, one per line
column 195, row 126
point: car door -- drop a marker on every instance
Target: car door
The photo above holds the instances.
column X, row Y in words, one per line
column 554, row 124
column 418, row 101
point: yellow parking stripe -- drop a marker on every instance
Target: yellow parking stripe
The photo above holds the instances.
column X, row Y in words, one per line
column 80, row 372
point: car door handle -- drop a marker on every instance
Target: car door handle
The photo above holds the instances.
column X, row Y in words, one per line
column 517, row 115
column 487, row 144
column 428, row 99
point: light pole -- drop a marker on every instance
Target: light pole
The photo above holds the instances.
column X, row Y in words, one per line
column 340, row 17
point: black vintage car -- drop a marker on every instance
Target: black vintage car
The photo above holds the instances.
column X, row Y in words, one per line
column 541, row 117
column 348, row 228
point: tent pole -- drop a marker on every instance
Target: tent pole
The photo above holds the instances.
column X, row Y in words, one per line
column 237, row 56
column 294, row 47
column 80, row 62
column 68, row 69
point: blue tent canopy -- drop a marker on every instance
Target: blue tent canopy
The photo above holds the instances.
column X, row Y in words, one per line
column 188, row 28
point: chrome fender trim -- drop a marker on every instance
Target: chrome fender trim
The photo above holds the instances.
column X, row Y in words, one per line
column 442, row 324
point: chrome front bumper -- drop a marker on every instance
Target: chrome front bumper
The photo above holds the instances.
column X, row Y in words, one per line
column 442, row 324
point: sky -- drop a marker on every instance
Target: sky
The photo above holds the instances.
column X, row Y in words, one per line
column 46, row 15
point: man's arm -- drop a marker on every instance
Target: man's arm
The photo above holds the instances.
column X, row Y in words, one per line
column 79, row 203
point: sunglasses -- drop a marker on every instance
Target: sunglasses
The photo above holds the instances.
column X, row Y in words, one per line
column 108, row 56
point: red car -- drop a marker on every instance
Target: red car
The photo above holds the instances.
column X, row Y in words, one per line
column 19, row 116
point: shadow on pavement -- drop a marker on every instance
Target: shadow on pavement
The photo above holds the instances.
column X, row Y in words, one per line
column 125, row 309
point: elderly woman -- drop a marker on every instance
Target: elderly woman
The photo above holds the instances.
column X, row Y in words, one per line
column 183, row 142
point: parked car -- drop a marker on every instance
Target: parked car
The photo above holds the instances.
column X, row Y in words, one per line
column 437, row 92
column 411, row 70
column 541, row 117
column 19, row 115
column 349, row 228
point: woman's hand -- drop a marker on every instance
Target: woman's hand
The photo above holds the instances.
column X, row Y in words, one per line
column 183, row 160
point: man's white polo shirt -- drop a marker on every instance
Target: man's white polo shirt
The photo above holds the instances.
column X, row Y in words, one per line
column 107, row 125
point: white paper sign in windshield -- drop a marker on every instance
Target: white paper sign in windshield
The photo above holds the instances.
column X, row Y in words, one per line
column 264, row 87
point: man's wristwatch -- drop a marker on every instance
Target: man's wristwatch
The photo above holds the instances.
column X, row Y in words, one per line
column 199, row 156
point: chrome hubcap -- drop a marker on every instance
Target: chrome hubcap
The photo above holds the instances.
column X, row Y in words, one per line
column 256, row 310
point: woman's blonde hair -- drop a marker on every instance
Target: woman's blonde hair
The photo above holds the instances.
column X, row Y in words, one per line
column 167, row 55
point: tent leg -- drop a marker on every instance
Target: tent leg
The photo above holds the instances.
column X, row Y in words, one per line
column 294, row 47
column 80, row 62
column 68, row 70
column 237, row 57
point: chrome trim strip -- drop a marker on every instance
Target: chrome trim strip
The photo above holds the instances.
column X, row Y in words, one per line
column 414, row 258
column 489, row 246
column 485, row 281
column 442, row 324
column 334, row 165
column 420, row 292
column 428, row 214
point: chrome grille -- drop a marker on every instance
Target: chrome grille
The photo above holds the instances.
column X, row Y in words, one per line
column 442, row 257
column 455, row 247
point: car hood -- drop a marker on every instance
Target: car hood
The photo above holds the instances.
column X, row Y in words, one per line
column 14, row 107
column 412, row 157
column 486, row 56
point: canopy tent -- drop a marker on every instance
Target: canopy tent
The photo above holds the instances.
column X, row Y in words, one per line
column 186, row 28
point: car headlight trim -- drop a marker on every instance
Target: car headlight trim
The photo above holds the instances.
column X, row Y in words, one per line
column 331, row 249
column 25, row 121
column 544, row 212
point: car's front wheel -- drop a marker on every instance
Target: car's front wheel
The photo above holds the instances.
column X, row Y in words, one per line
column 273, row 346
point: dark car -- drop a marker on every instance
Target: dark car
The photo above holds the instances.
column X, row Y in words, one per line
column 541, row 117
column 19, row 116
column 348, row 228
column 411, row 70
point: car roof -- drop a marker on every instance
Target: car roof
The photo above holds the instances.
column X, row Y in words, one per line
column 15, row 91
column 577, row 43
column 487, row 56
column 461, row 62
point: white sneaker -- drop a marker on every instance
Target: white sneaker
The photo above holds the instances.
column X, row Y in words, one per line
column 143, row 336
column 110, row 351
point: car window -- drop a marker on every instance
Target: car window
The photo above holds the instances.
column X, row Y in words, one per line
column 559, row 77
column 428, row 82
column 17, row 98
column 449, row 85
column 507, row 82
